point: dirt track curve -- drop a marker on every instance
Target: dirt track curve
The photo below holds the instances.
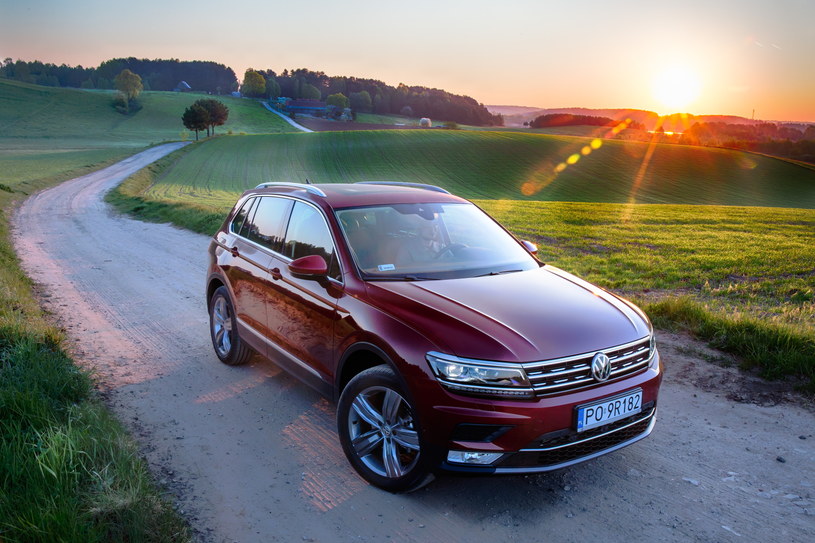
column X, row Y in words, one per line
column 252, row 455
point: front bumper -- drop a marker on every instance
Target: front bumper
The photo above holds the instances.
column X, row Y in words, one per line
column 567, row 450
column 538, row 435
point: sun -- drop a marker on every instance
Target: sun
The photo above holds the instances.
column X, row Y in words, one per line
column 676, row 88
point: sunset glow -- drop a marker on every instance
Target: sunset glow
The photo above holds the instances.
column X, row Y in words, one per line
column 676, row 88
column 697, row 56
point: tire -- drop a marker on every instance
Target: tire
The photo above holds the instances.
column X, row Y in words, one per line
column 380, row 433
column 228, row 345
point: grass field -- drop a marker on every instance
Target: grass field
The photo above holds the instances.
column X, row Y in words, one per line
column 493, row 165
column 376, row 118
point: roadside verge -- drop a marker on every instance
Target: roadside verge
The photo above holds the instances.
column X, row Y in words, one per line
column 69, row 470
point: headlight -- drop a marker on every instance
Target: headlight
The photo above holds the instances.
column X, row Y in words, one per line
column 480, row 377
column 652, row 351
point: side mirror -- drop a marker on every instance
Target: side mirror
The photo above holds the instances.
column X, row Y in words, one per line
column 529, row 246
column 309, row 266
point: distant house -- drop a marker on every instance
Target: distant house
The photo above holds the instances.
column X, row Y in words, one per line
column 310, row 107
column 182, row 86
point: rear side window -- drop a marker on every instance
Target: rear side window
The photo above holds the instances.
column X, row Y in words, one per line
column 240, row 216
column 268, row 221
column 308, row 234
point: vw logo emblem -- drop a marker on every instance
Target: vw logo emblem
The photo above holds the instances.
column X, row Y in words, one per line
column 601, row 367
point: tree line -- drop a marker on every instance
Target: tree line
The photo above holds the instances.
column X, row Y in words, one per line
column 721, row 133
column 364, row 95
column 159, row 75
column 567, row 119
column 767, row 138
column 369, row 95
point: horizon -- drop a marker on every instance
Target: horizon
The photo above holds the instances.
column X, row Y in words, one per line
column 730, row 58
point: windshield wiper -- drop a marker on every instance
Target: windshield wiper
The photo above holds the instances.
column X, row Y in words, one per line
column 408, row 277
column 498, row 273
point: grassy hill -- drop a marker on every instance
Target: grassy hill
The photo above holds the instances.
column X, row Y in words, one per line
column 49, row 133
column 493, row 165
column 46, row 117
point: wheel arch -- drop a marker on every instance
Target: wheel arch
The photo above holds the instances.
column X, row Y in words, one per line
column 358, row 358
column 213, row 284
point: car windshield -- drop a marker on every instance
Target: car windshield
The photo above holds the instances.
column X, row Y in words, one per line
column 430, row 241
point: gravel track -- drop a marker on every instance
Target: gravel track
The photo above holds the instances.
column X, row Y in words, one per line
column 252, row 455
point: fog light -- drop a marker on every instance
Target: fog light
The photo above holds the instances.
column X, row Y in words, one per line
column 473, row 457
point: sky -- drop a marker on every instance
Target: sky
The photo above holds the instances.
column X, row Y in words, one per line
column 733, row 57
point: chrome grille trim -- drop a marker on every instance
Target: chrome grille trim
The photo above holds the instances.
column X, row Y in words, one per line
column 573, row 372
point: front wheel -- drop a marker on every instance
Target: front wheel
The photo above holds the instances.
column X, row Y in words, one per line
column 379, row 432
column 229, row 347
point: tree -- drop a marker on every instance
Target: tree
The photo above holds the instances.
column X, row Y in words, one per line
column 272, row 88
column 129, row 84
column 361, row 101
column 196, row 118
column 254, row 84
column 309, row 92
column 217, row 112
column 338, row 100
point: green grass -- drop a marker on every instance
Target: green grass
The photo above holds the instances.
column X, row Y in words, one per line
column 35, row 117
column 68, row 470
column 491, row 165
column 26, row 171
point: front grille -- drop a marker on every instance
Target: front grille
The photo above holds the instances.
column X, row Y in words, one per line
column 573, row 446
column 573, row 372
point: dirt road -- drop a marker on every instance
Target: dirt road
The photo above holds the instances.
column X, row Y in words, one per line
column 252, row 455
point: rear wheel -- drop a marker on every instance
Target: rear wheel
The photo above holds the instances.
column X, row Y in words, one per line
column 379, row 432
column 222, row 326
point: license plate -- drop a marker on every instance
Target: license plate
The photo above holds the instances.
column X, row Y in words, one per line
column 608, row 410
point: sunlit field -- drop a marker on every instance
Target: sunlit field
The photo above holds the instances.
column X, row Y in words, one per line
column 492, row 165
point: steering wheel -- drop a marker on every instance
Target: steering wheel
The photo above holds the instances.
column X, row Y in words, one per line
column 452, row 248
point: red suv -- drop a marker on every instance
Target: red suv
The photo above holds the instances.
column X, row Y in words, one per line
column 447, row 344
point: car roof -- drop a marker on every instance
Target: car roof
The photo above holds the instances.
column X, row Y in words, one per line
column 342, row 195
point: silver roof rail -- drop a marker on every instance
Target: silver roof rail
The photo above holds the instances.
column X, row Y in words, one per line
column 434, row 188
column 302, row 186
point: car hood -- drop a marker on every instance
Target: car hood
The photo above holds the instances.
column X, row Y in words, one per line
column 515, row 317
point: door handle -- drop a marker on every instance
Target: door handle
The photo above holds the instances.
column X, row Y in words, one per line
column 234, row 251
column 276, row 275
